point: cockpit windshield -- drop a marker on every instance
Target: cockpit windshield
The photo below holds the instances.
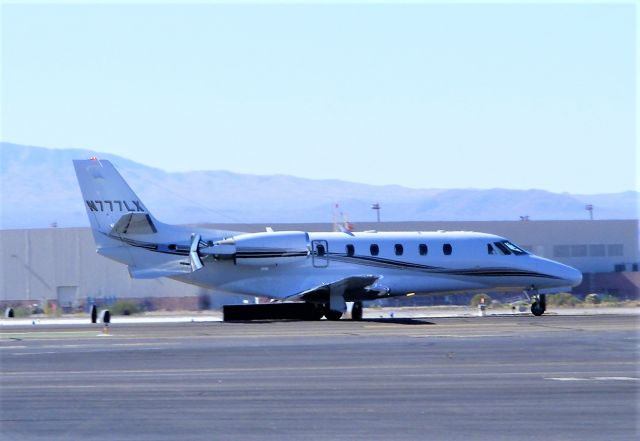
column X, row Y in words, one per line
column 515, row 249
column 507, row 248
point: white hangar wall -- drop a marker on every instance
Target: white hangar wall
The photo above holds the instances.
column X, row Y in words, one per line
column 62, row 264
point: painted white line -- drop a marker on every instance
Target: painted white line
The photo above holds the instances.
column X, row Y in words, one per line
column 616, row 379
column 114, row 320
column 592, row 378
column 33, row 353
column 566, row 379
column 458, row 335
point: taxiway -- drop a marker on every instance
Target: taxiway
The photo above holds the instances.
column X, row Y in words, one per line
column 482, row 378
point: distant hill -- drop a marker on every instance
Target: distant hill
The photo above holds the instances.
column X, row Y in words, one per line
column 38, row 187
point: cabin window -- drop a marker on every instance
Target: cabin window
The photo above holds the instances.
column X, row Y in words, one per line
column 320, row 250
column 447, row 249
column 375, row 249
column 399, row 249
column 350, row 250
column 423, row 249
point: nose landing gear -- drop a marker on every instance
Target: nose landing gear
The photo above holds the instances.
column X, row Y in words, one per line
column 539, row 304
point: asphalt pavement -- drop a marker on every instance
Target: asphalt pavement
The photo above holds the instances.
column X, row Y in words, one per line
column 472, row 378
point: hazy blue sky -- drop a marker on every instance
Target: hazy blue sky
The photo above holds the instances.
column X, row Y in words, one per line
column 423, row 95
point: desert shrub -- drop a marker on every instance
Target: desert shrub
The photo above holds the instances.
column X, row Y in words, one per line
column 562, row 299
column 593, row 299
column 21, row 311
column 125, row 307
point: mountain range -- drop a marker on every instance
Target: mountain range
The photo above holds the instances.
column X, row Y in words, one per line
column 38, row 188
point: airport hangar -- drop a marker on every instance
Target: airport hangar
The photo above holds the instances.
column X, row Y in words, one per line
column 60, row 265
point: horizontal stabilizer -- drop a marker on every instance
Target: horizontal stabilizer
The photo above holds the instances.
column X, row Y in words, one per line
column 134, row 223
column 178, row 266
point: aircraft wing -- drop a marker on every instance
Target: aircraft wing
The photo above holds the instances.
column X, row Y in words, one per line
column 153, row 273
column 354, row 288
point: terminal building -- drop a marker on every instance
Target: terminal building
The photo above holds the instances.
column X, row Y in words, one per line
column 60, row 266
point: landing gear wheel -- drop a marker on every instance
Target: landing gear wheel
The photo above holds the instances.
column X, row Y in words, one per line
column 539, row 306
column 356, row 311
column 318, row 312
column 330, row 314
column 537, row 309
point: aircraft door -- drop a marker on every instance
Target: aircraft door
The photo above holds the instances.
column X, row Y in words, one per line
column 320, row 253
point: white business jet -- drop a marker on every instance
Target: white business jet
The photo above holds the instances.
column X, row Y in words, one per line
column 323, row 269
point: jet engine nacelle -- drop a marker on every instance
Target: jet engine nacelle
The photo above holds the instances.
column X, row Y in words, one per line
column 263, row 249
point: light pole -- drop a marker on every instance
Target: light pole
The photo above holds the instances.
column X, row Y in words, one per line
column 589, row 208
column 376, row 207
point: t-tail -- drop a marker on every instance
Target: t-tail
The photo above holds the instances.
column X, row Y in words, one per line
column 124, row 230
column 109, row 200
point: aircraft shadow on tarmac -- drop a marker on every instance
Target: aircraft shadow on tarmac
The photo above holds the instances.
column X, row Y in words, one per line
column 387, row 320
column 399, row 321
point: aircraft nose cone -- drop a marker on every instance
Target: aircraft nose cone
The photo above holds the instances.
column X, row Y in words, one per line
column 573, row 276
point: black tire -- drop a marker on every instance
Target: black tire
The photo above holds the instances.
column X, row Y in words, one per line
column 356, row 311
column 537, row 309
column 330, row 314
column 94, row 314
column 318, row 312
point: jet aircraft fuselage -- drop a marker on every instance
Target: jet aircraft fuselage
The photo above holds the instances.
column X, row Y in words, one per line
column 326, row 269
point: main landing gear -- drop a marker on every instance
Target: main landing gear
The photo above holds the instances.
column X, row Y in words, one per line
column 331, row 314
column 356, row 311
column 287, row 311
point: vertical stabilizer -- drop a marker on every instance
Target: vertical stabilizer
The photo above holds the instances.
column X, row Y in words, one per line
column 107, row 196
column 125, row 231
column 123, row 228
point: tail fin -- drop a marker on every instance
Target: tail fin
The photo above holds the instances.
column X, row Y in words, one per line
column 125, row 231
column 109, row 200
